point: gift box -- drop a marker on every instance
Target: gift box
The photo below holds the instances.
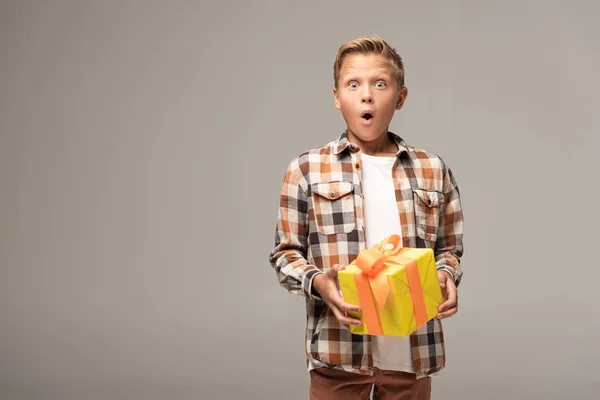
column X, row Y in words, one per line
column 397, row 288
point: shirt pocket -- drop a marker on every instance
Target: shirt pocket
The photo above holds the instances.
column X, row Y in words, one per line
column 334, row 207
column 427, row 213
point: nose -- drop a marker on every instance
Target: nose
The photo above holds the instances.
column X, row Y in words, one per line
column 366, row 96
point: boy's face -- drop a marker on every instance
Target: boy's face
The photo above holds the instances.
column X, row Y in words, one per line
column 368, row 94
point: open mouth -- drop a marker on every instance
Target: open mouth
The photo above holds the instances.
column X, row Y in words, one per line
column 367, row 115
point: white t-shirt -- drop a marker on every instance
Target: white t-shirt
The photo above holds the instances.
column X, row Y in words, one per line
column 381, row 221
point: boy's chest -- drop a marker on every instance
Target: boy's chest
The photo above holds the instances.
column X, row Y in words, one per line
column 336, row 204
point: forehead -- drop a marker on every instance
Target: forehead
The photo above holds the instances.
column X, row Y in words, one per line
column 366, row 64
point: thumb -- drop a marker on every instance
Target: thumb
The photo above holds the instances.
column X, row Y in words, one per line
column 333, row 271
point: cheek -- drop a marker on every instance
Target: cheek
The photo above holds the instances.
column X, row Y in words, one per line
column 346, row 105
column 347, row 114
column 392, row 104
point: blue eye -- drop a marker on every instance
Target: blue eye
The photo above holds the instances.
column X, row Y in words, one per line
column 380, row 85
column 353, row 85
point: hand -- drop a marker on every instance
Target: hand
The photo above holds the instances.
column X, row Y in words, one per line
column 327, row 286
column 450, row 305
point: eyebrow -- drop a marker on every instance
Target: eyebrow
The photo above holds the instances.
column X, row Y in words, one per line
column 378, row 77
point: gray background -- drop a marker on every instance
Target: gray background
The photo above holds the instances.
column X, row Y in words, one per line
column 142, row 149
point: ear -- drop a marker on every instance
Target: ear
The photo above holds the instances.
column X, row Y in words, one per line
column 402, row 95
column 336, row 99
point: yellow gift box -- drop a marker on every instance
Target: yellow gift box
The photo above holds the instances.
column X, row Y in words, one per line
column 396, row 288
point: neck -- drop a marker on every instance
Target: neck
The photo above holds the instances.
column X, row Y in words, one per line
column 382, row 146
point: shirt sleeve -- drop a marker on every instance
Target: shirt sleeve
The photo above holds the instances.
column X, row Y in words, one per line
column 289, row 256
column 449, row 244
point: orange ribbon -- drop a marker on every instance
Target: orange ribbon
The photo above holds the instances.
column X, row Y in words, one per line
column 373, row 287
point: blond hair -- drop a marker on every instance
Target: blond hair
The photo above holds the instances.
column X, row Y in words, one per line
column 369, row 45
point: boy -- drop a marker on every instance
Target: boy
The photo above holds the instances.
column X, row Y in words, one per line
column 350, row 194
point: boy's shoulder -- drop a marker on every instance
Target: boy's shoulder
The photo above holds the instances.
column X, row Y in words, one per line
column 315, row 157
column 424, row 158
column 322, row 153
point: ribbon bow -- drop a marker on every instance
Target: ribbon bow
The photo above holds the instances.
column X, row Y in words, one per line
column 372, row 262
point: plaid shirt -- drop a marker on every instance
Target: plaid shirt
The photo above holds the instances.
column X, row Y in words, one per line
column 321, row 223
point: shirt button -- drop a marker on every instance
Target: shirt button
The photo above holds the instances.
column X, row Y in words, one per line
column 332, row 194
column 357, row 166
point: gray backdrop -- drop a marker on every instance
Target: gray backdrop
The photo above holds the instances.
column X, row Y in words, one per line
column 142, row 149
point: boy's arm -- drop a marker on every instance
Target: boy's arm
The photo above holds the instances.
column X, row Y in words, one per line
column 449, row 245
column 288, row 258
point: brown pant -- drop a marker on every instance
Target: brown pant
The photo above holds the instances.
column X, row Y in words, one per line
column 331, row 384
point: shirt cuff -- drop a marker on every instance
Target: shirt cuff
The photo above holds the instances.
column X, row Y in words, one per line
column 310, row 292
column 449, row 271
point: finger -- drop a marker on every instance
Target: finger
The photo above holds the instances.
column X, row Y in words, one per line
column 339, row 303
column 450, row 301
column 446, row 314
column 448, row 304
column 338, row 267
column 450, row 296
column 342, row 305
column 333, row 271
column 343, row 318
